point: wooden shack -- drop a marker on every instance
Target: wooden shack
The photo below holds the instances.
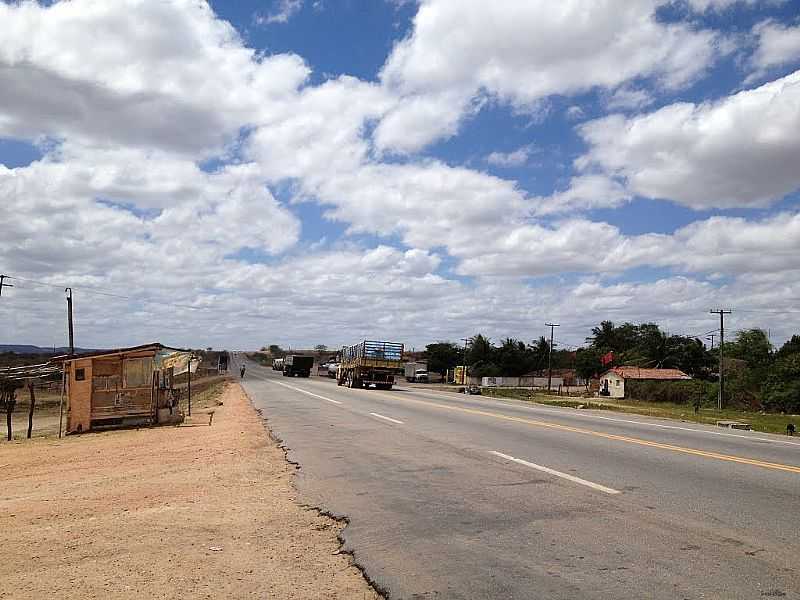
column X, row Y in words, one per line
column 121, row 387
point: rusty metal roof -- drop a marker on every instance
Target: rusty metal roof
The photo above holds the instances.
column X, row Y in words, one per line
column 639, row 373
column 67, row 357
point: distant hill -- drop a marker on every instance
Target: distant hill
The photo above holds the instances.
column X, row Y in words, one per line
column 28, row 349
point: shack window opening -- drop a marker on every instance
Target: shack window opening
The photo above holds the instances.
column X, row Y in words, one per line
column 138, row 372
column 80, row 374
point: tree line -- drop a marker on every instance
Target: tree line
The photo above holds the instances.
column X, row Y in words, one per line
column 757, row 374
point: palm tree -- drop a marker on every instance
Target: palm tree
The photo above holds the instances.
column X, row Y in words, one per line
column 604, row 336
column 541, row 349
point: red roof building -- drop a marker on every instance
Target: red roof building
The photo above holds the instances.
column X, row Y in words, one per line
column 612, row 382
column 639, row 373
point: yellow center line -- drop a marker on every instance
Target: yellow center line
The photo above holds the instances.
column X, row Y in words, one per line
column 601, row 434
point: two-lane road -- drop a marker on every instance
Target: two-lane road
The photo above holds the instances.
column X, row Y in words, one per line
column 464, row 497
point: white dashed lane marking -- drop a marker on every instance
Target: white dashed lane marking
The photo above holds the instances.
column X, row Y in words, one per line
column 567, row 476
column 387, row 418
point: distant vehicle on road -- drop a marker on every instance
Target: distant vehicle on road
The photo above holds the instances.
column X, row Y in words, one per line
column 297, row 365
column 332, row 368
column 416, row 372
column 370, row 363
column 277, row 364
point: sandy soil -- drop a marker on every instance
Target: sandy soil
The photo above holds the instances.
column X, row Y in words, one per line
column 172, row 512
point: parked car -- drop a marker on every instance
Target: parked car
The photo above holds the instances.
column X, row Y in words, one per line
column 332, row 368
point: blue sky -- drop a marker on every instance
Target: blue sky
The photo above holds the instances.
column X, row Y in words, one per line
column 356, row 37
column 413, row 170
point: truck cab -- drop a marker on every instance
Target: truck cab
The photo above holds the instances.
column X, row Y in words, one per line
column 421, row 375
column 296, row 365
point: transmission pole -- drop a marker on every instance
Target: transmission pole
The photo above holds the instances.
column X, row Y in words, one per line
column 3, row 284
column 721, row 312
column 464, row 366
column 68, row 292
column 552, row 326
column 711, row 337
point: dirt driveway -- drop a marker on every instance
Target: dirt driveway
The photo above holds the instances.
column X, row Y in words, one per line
column 187, row 512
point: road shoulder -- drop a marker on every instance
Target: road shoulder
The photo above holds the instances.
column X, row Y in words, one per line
column 196, row 511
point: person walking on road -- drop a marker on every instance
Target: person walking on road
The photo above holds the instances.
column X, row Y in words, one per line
column 241, row 372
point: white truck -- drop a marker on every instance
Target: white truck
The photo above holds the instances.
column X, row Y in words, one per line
column 416, row 372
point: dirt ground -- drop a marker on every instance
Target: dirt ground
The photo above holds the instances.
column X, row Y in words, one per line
column 194, row 511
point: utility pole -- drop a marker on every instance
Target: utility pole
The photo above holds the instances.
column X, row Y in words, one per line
column 721, row 312
column 711, row 337
column 464, row 366
column 3, row 284
column 189, row 383
column 552, row 326
column 68, row 292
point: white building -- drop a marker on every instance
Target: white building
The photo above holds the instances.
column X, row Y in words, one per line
column 612, row 382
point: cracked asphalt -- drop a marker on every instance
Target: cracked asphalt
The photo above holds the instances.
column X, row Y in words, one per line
column 465, row 497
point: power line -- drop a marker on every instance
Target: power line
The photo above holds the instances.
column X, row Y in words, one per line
column 101, row 292
column 774, row 311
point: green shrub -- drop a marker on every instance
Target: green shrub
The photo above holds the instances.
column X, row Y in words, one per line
column 676, row 392
column 782, row 385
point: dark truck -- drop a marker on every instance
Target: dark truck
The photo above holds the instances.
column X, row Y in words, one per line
column 298, row 365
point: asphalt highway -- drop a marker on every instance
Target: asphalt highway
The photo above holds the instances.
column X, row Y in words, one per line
column 452, row 496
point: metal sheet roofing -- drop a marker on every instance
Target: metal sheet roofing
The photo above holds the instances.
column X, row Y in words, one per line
column 639, row 373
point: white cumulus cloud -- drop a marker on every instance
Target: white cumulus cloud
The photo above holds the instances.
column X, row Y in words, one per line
column 778, row 44
column 515, row 158
column 741, row 151
column 282, row 11
column 532, row 50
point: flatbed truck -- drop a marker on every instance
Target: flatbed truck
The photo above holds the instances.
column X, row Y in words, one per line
column 370, row 363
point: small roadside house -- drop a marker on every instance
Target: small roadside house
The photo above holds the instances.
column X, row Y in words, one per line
column 612, row 382
column 122, row 386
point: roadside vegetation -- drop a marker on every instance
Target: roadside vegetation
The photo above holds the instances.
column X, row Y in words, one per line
column 760, row 421
column 759, row 378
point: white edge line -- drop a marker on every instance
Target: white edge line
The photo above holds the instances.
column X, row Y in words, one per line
column 546, row 408
column 387, row 418
column 594, row 486
column 703, row 431
column 291, row 387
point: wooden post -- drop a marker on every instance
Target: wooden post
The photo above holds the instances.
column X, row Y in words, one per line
column 61, row 400
column 189, row 385
column 68, row 291
column 30, row 410
column 10, row 402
